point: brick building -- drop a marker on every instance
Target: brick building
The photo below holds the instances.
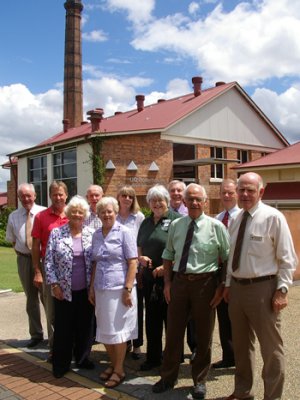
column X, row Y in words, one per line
column 197, row 137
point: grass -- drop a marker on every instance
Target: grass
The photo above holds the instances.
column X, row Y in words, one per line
column 9, row 278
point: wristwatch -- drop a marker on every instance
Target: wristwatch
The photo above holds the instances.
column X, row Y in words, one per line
column 129, row 290
column 283, row 290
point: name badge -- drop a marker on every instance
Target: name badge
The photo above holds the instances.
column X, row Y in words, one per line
column 165, row 223
column 256, row 238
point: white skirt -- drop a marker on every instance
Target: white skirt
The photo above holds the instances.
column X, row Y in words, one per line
column 116, row 323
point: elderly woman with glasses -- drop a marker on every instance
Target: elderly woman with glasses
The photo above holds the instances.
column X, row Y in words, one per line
column 68, row 267
column 130, row 215
column 113, row 288
column 151, row 242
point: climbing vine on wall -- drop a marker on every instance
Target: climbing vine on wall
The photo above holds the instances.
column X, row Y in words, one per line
column 97, row 160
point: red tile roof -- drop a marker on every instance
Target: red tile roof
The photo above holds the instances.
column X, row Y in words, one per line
column 155, row 117
column 282, row 191
column 287, row 156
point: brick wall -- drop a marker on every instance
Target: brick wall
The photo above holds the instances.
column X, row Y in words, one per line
column 143, row 149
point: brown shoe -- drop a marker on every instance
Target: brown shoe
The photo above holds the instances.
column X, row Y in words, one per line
column 232, row 397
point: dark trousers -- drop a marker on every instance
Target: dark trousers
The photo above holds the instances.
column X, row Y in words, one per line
column 156, row 318
column 191, row 335
column 33, row 296
column 73, row 330
column 140, row 310
column 225, row 332
column 189, row 298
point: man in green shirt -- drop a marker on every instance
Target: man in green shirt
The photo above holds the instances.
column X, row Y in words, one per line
column 194, row 247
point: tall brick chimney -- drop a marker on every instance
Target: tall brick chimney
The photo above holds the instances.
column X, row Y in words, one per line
column 73, row 104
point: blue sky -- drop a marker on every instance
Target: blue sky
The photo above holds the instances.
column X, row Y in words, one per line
column 150, row 47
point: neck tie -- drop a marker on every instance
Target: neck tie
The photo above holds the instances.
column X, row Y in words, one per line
column 225, row 219
column 186, row 247
column 239, row 242
column 28, row 227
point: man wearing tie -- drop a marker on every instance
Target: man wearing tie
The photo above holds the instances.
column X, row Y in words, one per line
column 194, row 246
column 18, row 232
column 228, row 197
column 260, row 270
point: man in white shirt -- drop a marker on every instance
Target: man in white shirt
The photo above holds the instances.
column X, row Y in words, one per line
column 18, row 232
column 228, row 197
column 176, row 189
column 260, row 270
column 94, row 194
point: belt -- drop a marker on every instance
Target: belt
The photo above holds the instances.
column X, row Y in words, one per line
column 23, row 254
column 195, row 277
column 248, row 281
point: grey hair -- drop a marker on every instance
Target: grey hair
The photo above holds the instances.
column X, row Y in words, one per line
column 28, row 186
column 77, row 202
column 158, row 192
column 105, row 201
column 175, row 182
column 195, row 185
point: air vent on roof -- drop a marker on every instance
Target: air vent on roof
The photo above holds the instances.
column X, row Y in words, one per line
column 118, row 112
column 161, row 100
column 220, row 83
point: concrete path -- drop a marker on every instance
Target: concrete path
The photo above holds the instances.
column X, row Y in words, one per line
column 24, row 374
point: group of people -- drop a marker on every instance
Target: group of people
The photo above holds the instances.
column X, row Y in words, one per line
column 101, row 256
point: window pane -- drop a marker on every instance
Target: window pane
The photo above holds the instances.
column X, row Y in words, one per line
column 57, row 173
column 69, row 157
column 35, row 163
column 183, row 152
column 212, row 152
column 219, row 171
column 68, row 171
column 57, row 159
column 219, row 152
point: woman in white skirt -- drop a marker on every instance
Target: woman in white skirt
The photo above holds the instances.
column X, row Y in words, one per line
column 113, row 291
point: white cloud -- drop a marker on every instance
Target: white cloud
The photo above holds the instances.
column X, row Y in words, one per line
column 282, row 109
column 94, row 36
column 193, row 7
column 251, row 43
column 138, row 11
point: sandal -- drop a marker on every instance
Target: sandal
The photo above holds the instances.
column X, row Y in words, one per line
column 113, row 381
column 105, row 375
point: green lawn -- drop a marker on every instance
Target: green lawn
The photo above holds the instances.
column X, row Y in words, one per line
column 9, row 278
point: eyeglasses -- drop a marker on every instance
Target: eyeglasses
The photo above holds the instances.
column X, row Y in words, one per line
column 196, row 199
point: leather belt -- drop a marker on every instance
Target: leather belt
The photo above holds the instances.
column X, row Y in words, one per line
column 248, row 281
column 23, row 254
column 195, row 277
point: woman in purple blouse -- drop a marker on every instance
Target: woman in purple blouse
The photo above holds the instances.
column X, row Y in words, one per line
column 113, row 291
column 68, row 270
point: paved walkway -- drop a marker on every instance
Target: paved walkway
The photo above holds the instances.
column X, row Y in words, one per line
column 25, row 374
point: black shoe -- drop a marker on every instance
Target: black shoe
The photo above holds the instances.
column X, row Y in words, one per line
column 33, row 342
column 59, row 373
column 86, row 364
column 162, row 386
column 199, row 391
column 223, row 364
column 147, row 365
column 135, row 356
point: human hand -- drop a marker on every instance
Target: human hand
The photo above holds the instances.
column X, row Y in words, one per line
column 279, row 301
column 126, row 298
column 158, row 272
column 38, row 279
column 91, row 296
column 167, row 293
column 226, row 294
column 145, row 262
column 57, row 292
column 218, row 297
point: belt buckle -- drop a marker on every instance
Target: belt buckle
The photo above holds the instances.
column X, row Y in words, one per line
column 191, row 277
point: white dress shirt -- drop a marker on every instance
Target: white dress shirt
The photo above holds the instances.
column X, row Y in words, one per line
column 232, row 213
column 16, row 227
column 267, row 248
